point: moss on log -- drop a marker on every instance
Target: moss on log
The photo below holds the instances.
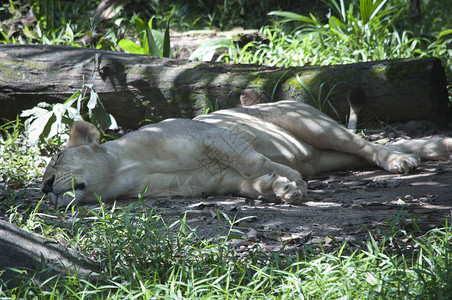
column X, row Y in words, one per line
column 134, row 88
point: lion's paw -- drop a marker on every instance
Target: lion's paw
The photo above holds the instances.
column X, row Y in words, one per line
column 402, row 163
column 290, row 191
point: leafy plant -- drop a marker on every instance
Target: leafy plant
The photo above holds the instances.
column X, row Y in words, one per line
column 45, row 22
column 317, row 99
column 152, row 41
column 209, row 106
column 366, row 35
column 46, row 121
column 19, row 162
column 207, row 50
column 352, row 33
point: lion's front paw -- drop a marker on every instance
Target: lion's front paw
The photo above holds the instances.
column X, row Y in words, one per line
column 402, row 163
column 290, row 191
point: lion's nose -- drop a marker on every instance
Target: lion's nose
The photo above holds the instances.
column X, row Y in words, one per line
column 47, row 186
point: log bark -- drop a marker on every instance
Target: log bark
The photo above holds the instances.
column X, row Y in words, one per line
column 28, row 251
column 134, row 88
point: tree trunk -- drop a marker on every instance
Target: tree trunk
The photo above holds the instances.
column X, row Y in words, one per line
column 25, row 250
column 134, row 88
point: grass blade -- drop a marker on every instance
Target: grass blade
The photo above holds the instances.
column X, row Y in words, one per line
column 166, row 41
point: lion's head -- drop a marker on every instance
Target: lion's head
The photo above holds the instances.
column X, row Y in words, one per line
column 83, row 167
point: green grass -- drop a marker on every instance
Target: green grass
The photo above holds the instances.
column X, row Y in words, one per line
column 19, row 161
column 142, row 257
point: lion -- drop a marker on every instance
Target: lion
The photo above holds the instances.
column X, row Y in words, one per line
column 260, row 150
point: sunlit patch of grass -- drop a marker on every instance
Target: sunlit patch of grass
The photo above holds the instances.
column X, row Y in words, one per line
column 372, row 30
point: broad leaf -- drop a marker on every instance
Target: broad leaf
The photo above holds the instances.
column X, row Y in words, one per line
column 35, row 126
column 140, row 28
column 131, row 47
column 206, row 51
column 101, row 119
column 444, row 32
column 93, row 100
column 33, row 111
column 150, row 45
column 290, row 16
column 71, row 100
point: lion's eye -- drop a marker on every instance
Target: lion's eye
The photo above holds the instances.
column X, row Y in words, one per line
column 79, row 186
column 286, row 187
column 57, row 157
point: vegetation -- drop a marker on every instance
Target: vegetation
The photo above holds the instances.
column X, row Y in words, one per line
column 140, row 255
column 340, row 32
column 143, row 257
column 372, row 30
column 19, row 161
column 152, row 42
column 47, row 122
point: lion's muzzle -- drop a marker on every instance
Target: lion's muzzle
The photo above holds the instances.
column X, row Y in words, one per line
column 47, row 185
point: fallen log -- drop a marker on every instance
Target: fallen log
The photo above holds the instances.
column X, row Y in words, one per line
column 21, row 250
column 134, row 88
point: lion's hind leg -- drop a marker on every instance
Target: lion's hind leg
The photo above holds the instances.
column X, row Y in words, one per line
column 257, row 174
column 432, row 149
column 315, row 128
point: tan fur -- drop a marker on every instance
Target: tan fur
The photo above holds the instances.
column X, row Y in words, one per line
column 83, row 133
column 249, row 97
column 257, row 150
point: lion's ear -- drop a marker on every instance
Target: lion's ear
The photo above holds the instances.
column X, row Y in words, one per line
column 83, row 133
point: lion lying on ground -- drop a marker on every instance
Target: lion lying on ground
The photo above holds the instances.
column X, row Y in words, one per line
column 258, row 150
